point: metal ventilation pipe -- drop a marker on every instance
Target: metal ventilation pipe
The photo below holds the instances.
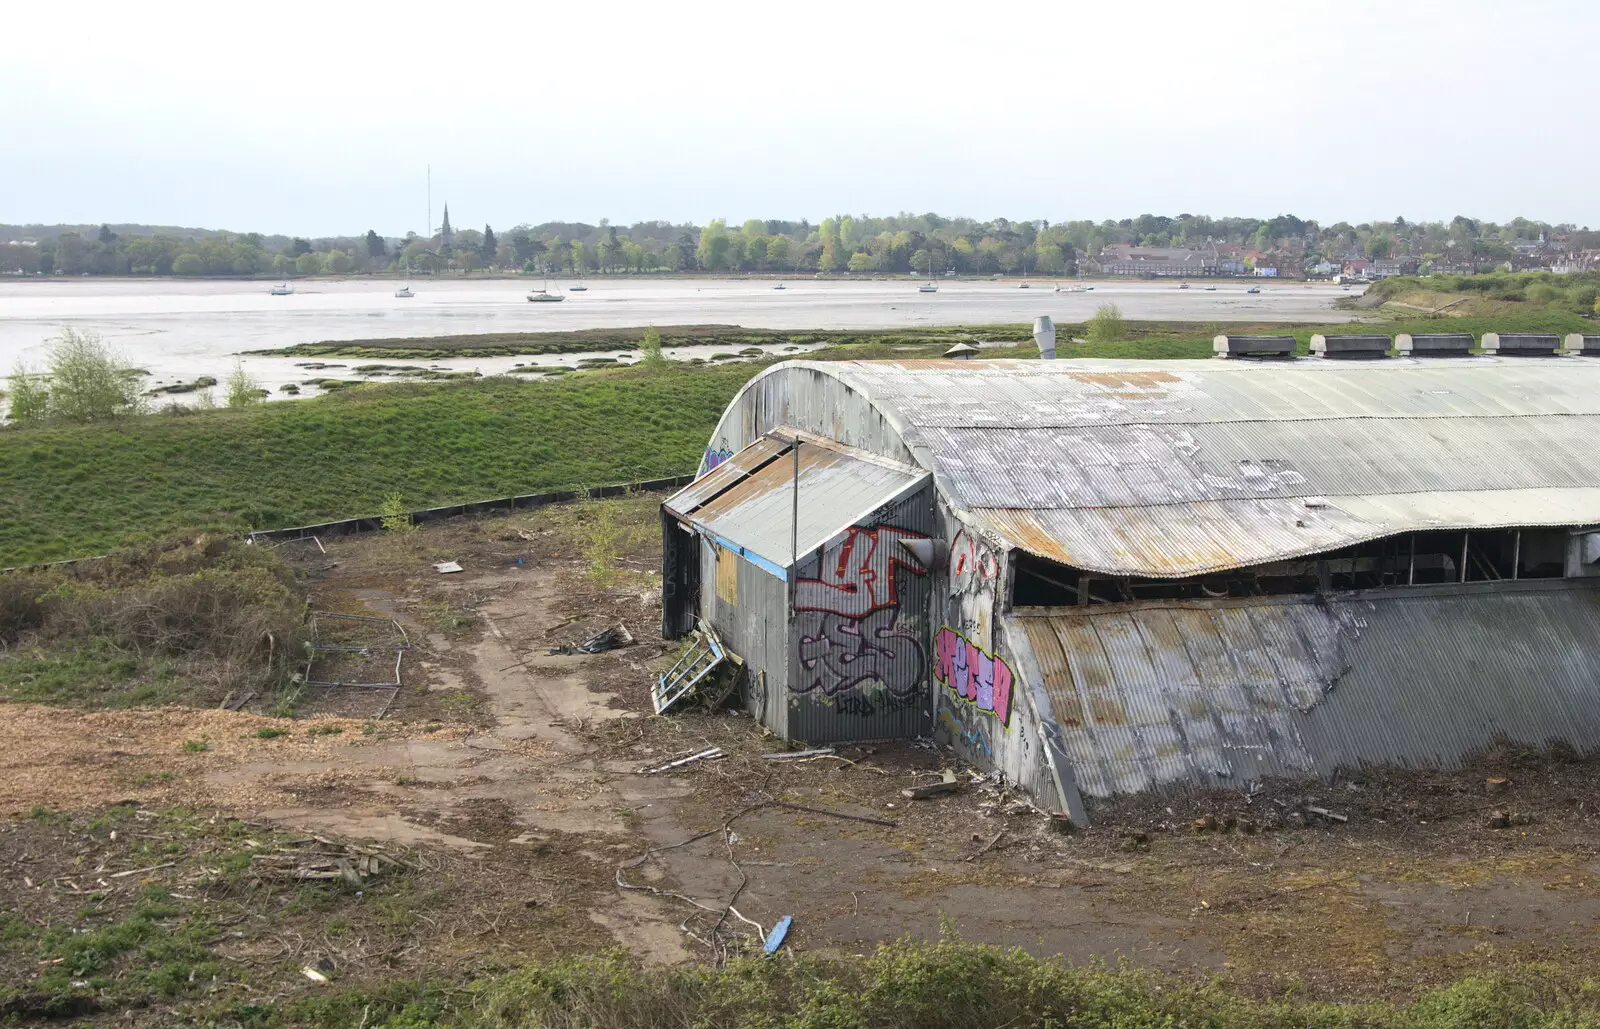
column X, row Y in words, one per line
column 1044, row 334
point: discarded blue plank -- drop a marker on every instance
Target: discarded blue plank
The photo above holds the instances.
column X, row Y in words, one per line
column 779, row 931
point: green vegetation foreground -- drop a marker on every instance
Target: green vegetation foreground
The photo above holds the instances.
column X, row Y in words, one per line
column 75, row 490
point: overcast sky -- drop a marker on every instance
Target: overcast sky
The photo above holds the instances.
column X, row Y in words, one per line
column 321, row 118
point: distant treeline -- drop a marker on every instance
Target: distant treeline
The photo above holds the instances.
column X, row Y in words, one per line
column 924, row 244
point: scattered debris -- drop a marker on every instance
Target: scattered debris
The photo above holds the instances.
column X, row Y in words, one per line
column 1499, row 820
column 795, row 755
column 779, row 931
column 314, row 975
column 947, row 785
column 1494, row 784
column 987, row 846
column 606, row 639
column 446, row 567
column 1134, row 843
column 704, row 755
column 316, row 858
column 1325, row 813
column 705, row 652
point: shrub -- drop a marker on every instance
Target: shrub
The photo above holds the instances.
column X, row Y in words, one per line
column 29, row 395
column 394, row 514
column 242, row 389
column 651, row 347
column 1107, row 324
column 88, row 381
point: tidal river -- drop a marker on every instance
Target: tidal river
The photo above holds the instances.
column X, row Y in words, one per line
column 180, row 330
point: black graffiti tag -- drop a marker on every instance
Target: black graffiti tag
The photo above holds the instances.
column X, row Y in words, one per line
column 839, row 653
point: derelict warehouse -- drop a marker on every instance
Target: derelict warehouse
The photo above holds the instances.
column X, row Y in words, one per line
column 1102, row 577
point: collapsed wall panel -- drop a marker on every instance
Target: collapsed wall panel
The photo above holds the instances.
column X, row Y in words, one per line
column 1225, row 692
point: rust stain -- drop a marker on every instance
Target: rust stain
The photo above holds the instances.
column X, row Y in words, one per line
column 1107, row 711
column 1151, row 381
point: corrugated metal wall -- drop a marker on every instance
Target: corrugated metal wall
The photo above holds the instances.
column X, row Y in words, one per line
column 864, row 675
column 747, row 607
column 1223, row 692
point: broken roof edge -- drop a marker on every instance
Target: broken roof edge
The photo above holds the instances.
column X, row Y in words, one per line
column 1153, row 550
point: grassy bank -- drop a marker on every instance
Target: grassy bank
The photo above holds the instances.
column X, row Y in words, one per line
column 74, row 490
column 71, row 490
column 513, row 344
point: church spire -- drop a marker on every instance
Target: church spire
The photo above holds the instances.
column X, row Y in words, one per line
column 446, row 234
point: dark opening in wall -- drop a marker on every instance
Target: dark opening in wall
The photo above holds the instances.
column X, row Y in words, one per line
column 1409, row 559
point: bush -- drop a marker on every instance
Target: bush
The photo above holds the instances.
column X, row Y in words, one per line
column 650, row 345
column 86, row 382
column 229, row 613
column 242, row 389
column 1107, row 324
column 29, row 396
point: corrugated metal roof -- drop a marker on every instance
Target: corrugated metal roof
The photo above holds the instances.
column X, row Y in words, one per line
column 837, row 489
column 1225, row 692
column 1170, row 468
column 723, row 475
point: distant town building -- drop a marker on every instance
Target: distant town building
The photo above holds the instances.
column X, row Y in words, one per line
column 1162, row 262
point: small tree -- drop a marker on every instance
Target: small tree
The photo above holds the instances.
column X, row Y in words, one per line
column 242, row 389
column 29, row 396
column 651, row 347
column 1107, row 324
column 88, row 381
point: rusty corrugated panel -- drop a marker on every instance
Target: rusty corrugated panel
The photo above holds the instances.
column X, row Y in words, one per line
column 1190, row 539
column 724, row 474
column 1223, row 692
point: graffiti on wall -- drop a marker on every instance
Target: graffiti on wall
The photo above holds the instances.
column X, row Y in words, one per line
column 974, row 575
column 849, row 629
column 973, row 566
column 961, row 722
column 973, row 674
column 715, row 454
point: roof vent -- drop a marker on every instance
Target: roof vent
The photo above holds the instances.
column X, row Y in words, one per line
column 1254, row 346
column 1350, row 347
column 1044, row 334
column 1438, row 344
column 1582, row 344
column 1521, row 344
column 961, row 352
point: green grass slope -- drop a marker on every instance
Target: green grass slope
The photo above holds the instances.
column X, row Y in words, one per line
column 69, row 491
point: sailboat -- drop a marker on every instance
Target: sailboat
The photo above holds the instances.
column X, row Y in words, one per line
column 283, row 289
column 404, row 292
column 930, row 286
column 780, row 286
column 578, row 287
column 544, row 296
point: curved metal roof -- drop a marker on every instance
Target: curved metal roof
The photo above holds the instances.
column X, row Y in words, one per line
column 1175, row 468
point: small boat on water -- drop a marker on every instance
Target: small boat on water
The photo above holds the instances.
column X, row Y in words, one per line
column 404, row 293
column 283, row 289
column 544, row 296
column 1023, row 285
column 1183, row 285
column 577, row 287
column 928, row 287
column 780, row 286
column 1211, row 289
column 1253, row 289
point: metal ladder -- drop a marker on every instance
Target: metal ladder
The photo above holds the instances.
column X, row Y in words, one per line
column 703, row 655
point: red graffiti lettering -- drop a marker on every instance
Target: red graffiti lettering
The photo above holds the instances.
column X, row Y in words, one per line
column 857, row 576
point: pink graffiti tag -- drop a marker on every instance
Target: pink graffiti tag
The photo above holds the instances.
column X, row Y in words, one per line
column 857, row 576
column 973, row 674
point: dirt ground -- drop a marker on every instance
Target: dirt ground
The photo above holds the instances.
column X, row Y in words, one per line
column 517, row 776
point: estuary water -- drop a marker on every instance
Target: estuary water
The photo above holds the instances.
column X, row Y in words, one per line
column 179, row 330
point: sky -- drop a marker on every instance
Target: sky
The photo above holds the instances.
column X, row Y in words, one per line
column 322, row 119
